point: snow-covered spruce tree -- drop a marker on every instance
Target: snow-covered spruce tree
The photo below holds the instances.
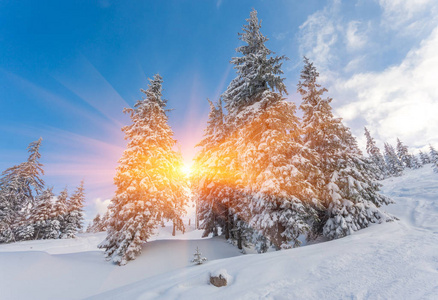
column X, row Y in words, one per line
column 24, row 229
column 394, row 165
column 276, row 172
column 257, row 71
column 215, row 183
column 74, row 217
column 434, row 158
column 198, row 258
column 19, row 186
column 209, row 181
column 236, row 228
column 104, row 220
column 350, row 194
column 45, row 223
column 416, row 163
column 425, row 159
column 61, row 209
column 405, row 157
column 150, row 184
column 375, row 155
column 97, row 225
column 272, row 199
column 7, row 219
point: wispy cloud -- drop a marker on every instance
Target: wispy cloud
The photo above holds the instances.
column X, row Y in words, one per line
column 380, row 69
column 319, row 34
column 355, row 38
column 400, row 101
column 410, row 15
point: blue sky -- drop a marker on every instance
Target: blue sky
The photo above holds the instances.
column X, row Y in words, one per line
column 68, row 68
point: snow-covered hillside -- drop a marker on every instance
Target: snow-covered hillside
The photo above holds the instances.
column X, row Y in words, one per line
column 397, row 260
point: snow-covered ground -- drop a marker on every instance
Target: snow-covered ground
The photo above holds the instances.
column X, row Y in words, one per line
column 397, row 260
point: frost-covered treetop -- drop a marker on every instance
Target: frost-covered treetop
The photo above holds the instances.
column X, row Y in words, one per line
column 256, row 71
column 155, row 91
column 371, row 147
column 33, row 149
column 307, row 86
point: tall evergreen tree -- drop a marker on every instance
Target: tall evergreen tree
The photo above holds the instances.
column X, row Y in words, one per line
column 275, row 172
column 150, row 184
column 394, row 165
column 256, row 70
column 210, row 182
column 61, row 210
column 425, row 159
column 434, row 158
column 271, row 200
column 7, row 219
column 74, row 217
column 405, row 157
column 19, row 185
column 46, row 225
column 98, row 225
column 416, row 163
column 349, row 193
column 24, row 229
column 375, row 155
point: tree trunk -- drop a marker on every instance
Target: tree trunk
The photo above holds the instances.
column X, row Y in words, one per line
column 173, row 230
column 196, row 215
column 227, row 225
column 239, row 239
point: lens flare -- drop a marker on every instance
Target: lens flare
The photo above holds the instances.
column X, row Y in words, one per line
column 187, row 169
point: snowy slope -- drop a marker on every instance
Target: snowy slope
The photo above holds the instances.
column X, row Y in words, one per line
column 397, row 260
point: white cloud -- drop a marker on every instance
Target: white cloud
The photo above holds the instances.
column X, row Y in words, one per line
column 401, row 101
column 381, row 68
column 280, row 36
column 319, row 35
column 355, row 39
column 405, row 13
column 101, row 205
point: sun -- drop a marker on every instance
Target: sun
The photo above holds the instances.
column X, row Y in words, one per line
column 186, row 169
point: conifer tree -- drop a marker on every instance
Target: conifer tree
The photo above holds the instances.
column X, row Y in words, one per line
column 150, row 184
column 46, row 225
column 416, row 163
column 61, row 210
column 270, row 199
column 97, row 225
column 6, row 219
column 424, row 158
column 405, row 157
column 74, row 217
column 375, row 155
column 104, row 221
column 349, row 192
column 210, row 177
column 198, row 258
column 19, row 185
column 24, row 229
column 275, row 172
column 256, row 70
column 394, row 165
column 434, row 158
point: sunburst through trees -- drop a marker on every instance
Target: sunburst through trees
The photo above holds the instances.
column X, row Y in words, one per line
column 262, row 177
column 150, row 183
